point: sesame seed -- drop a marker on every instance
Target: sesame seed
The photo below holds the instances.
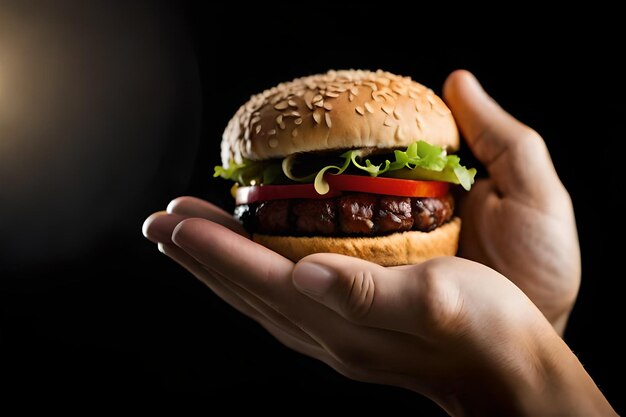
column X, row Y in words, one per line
column 350, row 97
column 387, row 109
column 431, row 101
column 279, row 119
column 396, row 113
column 389, row 122
column 368, row 107
column 317, row 116
column 308, row 102
column 359, row 110
column 319, row 103
column 390, row 94
column 373, row 86
column 281, row 106
column 401, row 91
column 400, row 134
column 318, row 98
column 354, row 91
column 328, row 106
column 257, row 129
column 332, row 94
column 378, row 97
column 273, row 142
column 298, row 121
column 292, row 103
column 328, row 122
column 294, row 133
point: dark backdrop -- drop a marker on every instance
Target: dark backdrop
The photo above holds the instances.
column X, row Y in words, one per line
column 111, row 110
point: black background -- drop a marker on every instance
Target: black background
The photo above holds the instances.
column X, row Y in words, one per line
column 102, row 313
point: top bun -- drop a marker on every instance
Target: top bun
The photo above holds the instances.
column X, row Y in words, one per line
column 338, row 110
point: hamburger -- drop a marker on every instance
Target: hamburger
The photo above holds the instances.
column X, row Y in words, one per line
column 350, row 162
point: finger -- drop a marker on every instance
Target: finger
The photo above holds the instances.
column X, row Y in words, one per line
column 216, row 278
column 268, row 276
column 284, row 331
column 195, row 207
column 238, row 298
column 514, row 154
column 488, row 129
column 158, row 227
column 246, row 263
column 369, row 294
column 289, row 335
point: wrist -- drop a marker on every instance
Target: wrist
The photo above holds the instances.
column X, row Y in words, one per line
column 562, row 386
column 536, row 375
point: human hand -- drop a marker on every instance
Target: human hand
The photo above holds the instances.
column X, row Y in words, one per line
column 451, row 329
column 520, row 219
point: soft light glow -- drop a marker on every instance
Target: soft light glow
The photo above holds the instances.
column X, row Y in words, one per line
column 97, row 99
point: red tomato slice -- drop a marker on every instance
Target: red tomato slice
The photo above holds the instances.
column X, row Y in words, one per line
column 248, row 195
column 339, row 183
column 387, row 186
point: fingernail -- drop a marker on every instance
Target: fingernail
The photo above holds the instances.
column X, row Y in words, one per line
column 313, row 278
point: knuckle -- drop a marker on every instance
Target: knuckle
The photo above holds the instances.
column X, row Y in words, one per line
column 360, row 296
column 440, row 302
column 531, row 141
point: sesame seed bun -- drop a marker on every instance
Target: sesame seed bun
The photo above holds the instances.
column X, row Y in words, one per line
column 338, row 110
column 395, row 249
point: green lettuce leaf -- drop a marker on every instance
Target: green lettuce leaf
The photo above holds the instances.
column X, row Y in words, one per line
column 321, row 185
column 249, row 172
column 420, row 161
column 373, row 170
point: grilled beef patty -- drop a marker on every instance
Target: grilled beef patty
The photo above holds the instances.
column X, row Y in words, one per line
column 350, row 214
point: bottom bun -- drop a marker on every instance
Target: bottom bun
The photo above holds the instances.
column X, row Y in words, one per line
column 395, row 249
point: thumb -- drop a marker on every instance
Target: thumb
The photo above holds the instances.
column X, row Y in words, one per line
column 514, row 154
column 365, row 293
